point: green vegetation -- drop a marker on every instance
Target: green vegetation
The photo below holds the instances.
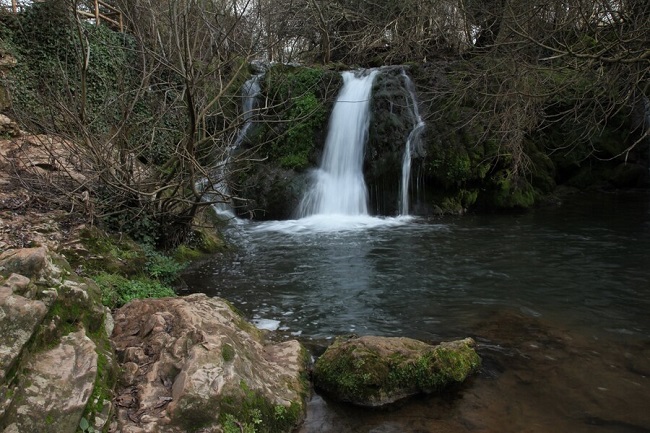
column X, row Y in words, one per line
column 227, row 353
column 363, row 374
column 251, row 412
column 300, row 96
column 118, row 290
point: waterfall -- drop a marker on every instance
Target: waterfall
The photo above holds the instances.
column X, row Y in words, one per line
column 249, row 93
column 412, row 142
column 339, row 186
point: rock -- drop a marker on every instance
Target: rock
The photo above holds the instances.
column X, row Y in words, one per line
column 375, row 371
column 25, row 261
column 34, row 263
column 272, row 193
column 42, row 155
column 192, row 362
column 19, row 319
column 56, row 388
column 8, row 127
column 48, row 366
column 630, row 176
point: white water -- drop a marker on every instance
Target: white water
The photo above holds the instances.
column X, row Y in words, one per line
column 339, row 187
column 411, row 142
column 249, row 93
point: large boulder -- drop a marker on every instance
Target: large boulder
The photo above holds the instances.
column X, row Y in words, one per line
column 55, row 388
column 192, row 363
column 375, row 371
column 54, row 354
column 19, row 319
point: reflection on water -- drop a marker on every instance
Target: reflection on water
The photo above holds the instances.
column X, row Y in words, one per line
column 565, row 292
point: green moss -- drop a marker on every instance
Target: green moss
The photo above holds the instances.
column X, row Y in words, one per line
column 254, row 413
column 105, row 381
column 107, row 253
column 301, row 98
column 70, row 312
column 351, row 374
column 195, row 413
column 358, row 374
column 509, row 192
column 227, row 353
column 184, row 254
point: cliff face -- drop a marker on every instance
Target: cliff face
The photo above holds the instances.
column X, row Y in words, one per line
column 485, row 145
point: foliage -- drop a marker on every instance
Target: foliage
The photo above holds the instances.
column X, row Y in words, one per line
column 300, row 97
column 252, row 412
column 118, row 290
column 227, row 352
column 161, row 267
column 85, row 427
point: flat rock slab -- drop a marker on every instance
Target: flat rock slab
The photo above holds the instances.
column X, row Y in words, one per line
column 376, row 371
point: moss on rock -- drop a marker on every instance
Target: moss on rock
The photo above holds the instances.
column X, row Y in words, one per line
column 375, row 371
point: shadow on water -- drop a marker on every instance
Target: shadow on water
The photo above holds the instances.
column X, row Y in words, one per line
column 557, row 300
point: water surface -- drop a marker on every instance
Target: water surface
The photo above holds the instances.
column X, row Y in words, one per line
column 558, row 300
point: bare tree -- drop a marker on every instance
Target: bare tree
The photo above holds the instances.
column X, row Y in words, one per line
column 151, row 148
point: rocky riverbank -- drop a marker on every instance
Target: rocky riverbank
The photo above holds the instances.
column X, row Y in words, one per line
column 170, row 365
column 182, row 364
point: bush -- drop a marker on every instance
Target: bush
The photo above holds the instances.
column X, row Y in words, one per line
column 118, row 290
column 161, row 267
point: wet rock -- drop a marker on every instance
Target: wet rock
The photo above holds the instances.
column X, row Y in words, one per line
column 193, row 362
column 55, row 388
column 272, row 193
column 375, row 371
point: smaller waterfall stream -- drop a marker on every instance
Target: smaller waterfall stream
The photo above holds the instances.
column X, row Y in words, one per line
column 339, row 187
column 411, row 142
column 249, row 93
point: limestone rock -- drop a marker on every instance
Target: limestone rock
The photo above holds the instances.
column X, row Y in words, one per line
column 192, row 362
column 48, row 372
column 33, row 263
column 375, row 371
column 56, row 388
column 43, row 156
column 19, row 318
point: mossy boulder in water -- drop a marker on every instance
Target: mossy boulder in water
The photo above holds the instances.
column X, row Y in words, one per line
column 375, row 371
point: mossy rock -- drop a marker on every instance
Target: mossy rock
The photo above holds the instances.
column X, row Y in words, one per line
column 98, row 251
column 376, row 371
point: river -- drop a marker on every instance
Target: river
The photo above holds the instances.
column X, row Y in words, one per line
column 558, row 300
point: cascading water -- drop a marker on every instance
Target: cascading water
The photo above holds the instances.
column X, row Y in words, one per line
column 412, row 142
column 249, row 93
column 339, row 187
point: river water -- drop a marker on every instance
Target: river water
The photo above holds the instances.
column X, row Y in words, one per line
column 558, row 300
